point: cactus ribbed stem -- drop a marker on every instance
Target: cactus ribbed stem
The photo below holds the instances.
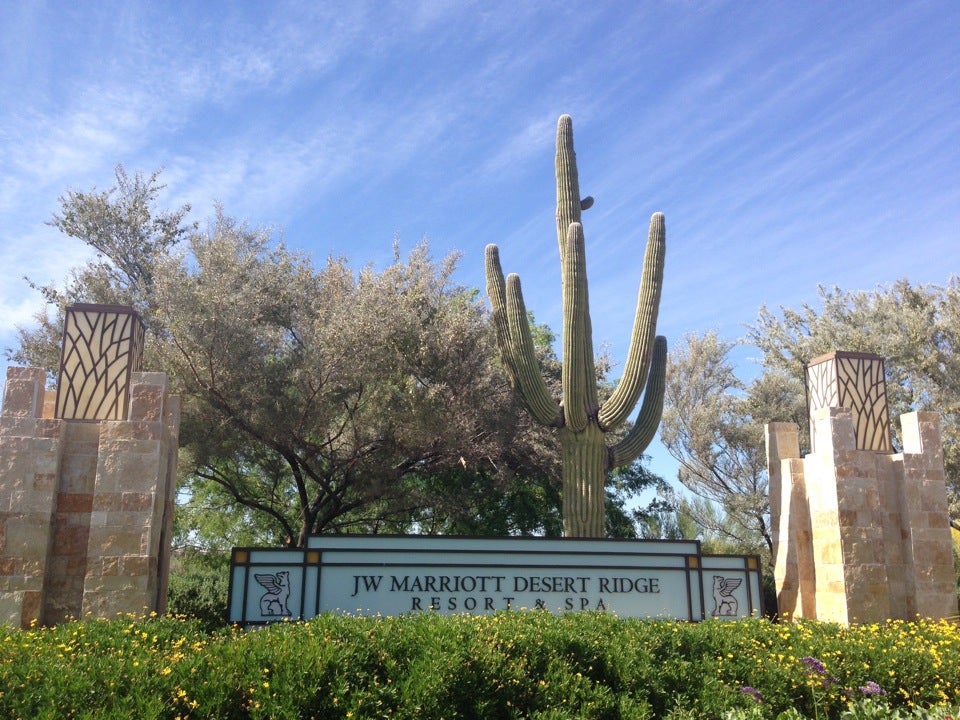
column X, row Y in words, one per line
column 644, row 429
column 620, row 404
column 516, row 343
column 532, row 385
column 579, row 376
column 568, row 182
column 586, row 457
column 497, row 292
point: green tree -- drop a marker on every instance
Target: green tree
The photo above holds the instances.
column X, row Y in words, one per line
column 713, row 424
column 342, row 389
column 315, row 399
column 129, row 233
column 915, row 328
column 199, row 587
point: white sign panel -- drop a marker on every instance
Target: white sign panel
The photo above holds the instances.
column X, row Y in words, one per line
column 393, row 575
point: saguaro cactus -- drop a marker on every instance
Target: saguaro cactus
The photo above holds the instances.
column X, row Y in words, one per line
column 581, row 420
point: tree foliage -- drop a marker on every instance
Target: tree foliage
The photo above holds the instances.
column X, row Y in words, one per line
column 129, row 233
column 316, row 398
column 341, row 388
column 713, row 425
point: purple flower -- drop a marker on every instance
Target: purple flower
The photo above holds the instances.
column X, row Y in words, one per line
column 753, row 692
column 871, row 688
column 814, row 665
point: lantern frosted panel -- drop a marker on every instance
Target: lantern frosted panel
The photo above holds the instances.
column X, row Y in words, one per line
column 854, row 381
column 102, row 346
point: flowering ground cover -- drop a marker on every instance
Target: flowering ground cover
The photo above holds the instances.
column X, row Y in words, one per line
column 510, row 665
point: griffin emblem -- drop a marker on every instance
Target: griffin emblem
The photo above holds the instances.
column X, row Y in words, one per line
column 725, row 605
column 274, row 601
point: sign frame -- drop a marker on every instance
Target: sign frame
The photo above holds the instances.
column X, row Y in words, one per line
column 399, row 574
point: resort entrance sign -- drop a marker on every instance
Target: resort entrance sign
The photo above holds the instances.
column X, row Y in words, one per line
column 397, row 574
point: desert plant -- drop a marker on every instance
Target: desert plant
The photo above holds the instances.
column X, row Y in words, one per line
column 583, row 421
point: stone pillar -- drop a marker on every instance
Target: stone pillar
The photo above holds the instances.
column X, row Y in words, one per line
column 862, row 534
column 790, row 523
column 925, row 524
column 131, row 505
column 847, row 531
column 30, row 459
column 87, row 478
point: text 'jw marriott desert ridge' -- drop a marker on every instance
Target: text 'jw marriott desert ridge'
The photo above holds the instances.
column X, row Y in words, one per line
column 581, row 418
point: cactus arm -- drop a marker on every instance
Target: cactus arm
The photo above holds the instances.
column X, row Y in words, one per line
column 533, row 389
column 516, row 345
column 568, row 183
column 620, row 404
column 497, row 293
column 579, row 376
column 644, row 429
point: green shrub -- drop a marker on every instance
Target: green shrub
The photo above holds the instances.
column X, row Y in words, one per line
column 509, row 665
column 199, row 585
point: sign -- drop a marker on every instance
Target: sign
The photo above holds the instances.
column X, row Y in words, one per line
column 397, row 574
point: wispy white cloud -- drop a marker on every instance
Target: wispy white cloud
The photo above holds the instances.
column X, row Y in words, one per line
column 768, row 138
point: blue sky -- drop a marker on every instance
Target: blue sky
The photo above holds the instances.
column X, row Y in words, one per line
column 788, row 144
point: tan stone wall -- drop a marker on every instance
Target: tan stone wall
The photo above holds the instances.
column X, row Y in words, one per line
column 30, row 458
column 86, row 507
column 861, row 535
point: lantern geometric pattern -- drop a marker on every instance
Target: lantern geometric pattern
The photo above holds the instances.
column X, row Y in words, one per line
column 102, row 346
column 854, row 381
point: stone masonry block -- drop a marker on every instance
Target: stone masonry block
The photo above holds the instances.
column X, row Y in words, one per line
column 835, row 430
column 131, row 430
column 16, row 500
column 137, row 565
column 933, row 498
column 74, row 503
column 146, row 403
column 107, row 502
column 32, row 607
column 17, row 426
column 921, row 433
column 50, row 428
column 11, row 607
column 50, row 404
column 77, row 473
column 44, row 483
column 138, row 501
column 27, row 537
column 70, row 539
column 24, row 391
column 127, row 474
column 114, row 541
